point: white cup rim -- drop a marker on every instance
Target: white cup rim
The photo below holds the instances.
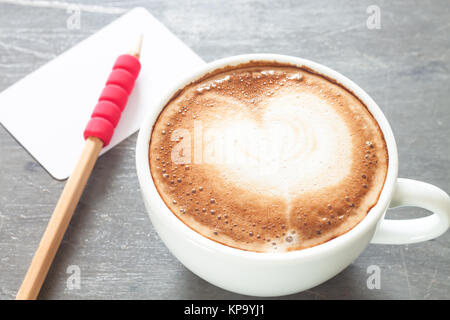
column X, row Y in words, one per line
column 160, row 209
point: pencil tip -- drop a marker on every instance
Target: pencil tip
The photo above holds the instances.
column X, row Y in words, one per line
column 136, row 51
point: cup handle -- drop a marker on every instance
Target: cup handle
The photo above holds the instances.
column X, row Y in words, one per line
column 420, row 194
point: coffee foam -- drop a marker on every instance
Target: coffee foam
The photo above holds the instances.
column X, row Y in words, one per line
column 268, row 158
column 250, row 154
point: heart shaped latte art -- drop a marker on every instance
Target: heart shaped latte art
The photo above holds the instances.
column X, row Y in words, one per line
column 296, row 144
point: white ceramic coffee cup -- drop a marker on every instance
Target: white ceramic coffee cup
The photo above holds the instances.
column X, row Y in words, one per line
column 276, row 274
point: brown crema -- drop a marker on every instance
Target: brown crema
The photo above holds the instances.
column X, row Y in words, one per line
column 268, row 157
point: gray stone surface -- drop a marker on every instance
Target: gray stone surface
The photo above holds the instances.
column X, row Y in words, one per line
column 404, row 66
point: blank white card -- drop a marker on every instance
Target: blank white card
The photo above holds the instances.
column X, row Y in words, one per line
column 48, row 110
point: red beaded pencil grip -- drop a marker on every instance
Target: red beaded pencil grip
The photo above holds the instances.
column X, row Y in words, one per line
column 97, row 134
